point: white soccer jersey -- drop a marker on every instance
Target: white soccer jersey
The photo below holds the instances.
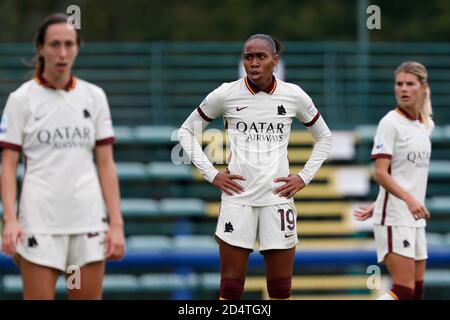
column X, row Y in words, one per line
column 258, row 125
column 56, row 131
column 406, row 142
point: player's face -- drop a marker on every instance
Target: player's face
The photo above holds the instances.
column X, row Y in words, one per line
column 259, row 62
column 409, row 91
column 60, row 49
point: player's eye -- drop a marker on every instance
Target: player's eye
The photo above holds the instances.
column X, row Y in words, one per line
column 54, row 44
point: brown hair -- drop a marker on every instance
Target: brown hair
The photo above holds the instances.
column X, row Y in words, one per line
column 421, row 73
column 39, row 39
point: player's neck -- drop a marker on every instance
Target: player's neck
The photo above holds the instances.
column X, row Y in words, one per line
column 262, row 85
column 411, row 110
column 58, row 81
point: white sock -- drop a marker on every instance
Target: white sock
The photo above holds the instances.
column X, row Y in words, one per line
column 386, row 296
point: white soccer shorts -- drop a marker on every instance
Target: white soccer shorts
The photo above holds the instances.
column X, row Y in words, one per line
column 406, row 241
column 62, row 251
column 274, row 227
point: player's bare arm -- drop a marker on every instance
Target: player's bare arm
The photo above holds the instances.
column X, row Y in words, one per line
column 383, row 177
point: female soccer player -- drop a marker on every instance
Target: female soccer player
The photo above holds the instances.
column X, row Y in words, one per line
column 257, row 198
column 402, row 151
column 57, row 122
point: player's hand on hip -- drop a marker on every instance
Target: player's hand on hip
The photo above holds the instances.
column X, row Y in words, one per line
column 12, row 232
column 416, row 208
column 115, row 243
column 363, row 213
column 224, row 180
column 293, row 184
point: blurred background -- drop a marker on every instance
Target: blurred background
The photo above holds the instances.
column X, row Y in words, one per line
column 157, row 61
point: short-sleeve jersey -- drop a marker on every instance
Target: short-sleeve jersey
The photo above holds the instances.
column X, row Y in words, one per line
column 258, row 125
column 407, row 143
column 57, row 131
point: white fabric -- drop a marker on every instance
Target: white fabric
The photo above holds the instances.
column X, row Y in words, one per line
column 408, row 143
column 274, row 227
column 188, row 133
column 258, row 128
column 62, row 251
column 57, row 131
column 386, row 296
column 406, row 241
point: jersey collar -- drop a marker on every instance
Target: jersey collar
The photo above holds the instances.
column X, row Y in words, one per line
column 43, row 82
column 254, row 89
column 407, row 115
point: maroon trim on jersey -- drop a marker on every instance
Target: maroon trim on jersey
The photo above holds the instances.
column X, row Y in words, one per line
column 381, row 156
column 203, row 115
column 226, row 124
column 102, row 142
column 383, row 213
column 386, row 196
column 309, row 124
column 389, row 239
column 43, row 82
column 254, row 89
column 408, row 115
column 23, row 181
column 12, row 146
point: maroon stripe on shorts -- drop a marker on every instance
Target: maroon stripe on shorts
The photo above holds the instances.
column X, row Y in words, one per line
column 389, row 231
column 383, row 213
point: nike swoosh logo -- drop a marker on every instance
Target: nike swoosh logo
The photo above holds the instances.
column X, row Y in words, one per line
column 287, row 236
column 240, row 108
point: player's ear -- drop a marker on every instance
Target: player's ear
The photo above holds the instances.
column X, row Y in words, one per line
column 276, row 59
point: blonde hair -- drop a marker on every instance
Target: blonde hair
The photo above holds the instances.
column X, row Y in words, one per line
column 421, row 73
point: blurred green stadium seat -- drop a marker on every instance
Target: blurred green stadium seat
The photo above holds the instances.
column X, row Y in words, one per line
column 194, row 242
column 131, row 171
column 439, row 169
column 437, row 277
column 169, row 171
column 435, row 239
column 439, row 205
column 209, row 281
column 164, row 282
column 149, row 242
column 139, row 207
column 124, row 134
column 182, row 207
column 154, row 134
column 117, row 283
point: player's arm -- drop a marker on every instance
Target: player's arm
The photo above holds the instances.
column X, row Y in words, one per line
column 323, row 141
column 384, row 178
column 115, row 239
column 194, row 125
column 12, row 231
column 322, row 146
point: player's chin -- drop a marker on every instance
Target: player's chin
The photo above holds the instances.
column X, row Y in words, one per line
column 255, row 78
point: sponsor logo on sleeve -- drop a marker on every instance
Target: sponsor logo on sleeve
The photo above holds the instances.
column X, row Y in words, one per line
column 3, row 124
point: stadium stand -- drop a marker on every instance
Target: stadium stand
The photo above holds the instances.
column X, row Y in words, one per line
column 170, row 211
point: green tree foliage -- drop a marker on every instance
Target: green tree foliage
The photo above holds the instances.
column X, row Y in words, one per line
column 230, row 20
